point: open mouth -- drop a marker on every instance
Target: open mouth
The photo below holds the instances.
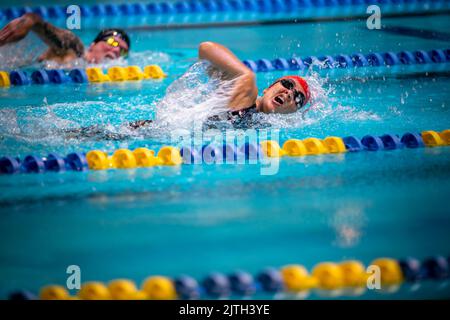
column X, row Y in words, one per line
column 110, row 56
column 278, row 100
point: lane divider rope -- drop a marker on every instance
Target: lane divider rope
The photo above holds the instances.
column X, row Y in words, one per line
column 356, row 60
column 289, row 279
column 211, row 153
column 201, row 6
column 341, row 61
column 89, row 75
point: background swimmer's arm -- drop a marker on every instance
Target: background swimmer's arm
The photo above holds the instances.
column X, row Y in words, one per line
column 61, row 42
column 245, row 91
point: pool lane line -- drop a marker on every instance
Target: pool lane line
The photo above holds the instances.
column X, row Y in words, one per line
column 90, row 75
column 217, row 154
column 403, row 76
column 134, row 73
column 195, row 6
column 342, row 61
column 348, row 277
column 288, row 21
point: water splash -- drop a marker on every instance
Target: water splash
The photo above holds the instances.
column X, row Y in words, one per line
column 189, row 101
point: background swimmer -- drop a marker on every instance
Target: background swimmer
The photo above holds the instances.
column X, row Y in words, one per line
column 63, row 45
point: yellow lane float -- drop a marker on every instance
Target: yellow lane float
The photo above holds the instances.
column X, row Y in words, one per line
column 123, row 159
column 170, row 156
column 334, row 145
column 390, row 271
column 154, row 72
column 159, row 288
column 96, row 75
column 98, row 160
column 296, row 278
column 445, row 136
column 54, row 292
column 329, row 275
column 94, row 291
column 354, row 274
column 4, row 79
column 135, row 73
column 294, row 148
column 271, row 149
column 432, row 139
column 117, row 74
column 314, row 146
column 146, row 158
column 122, row 289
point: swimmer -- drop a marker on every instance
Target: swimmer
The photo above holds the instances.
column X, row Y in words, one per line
column 287, row 94
column 63, row 45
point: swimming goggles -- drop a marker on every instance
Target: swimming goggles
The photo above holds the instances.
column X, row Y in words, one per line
column 111, row 40
column 299, row 97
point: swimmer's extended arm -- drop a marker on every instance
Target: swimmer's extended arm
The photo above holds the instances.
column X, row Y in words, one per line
column 245, row 91
column 61, row 42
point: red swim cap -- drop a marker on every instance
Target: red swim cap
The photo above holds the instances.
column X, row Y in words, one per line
column 302, row 82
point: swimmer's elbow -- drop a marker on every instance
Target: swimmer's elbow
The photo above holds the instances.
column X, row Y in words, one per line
column 205, row 48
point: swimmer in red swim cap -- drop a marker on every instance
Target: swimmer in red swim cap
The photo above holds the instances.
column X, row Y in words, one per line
column 286, row 95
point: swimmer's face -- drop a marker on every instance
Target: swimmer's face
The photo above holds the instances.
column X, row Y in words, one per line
column 103, row 50
column 279, row 99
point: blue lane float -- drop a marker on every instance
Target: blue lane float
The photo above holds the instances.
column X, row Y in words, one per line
column 76, row 161
column 211, row 154
column 352, row 144
column 411, row 269
column 270, row 280
column 78, row 76
column 187, row 287
column 372, row 143
column 52, row 163
column 33, row 164
column 190, row 155
column 242, row 283
column 250, row 151
column 40, row 77
column 55, row 163
column 435, row 268
column 19, row 78
column 216, row 285
column 391, row 141
column 58, row 76
column 9, row 165
column 412, row 140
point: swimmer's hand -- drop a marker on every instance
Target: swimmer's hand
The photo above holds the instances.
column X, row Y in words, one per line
column 17, row 29
column 245, row 92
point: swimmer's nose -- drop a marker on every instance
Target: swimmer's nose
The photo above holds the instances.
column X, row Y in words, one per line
column 289, row 95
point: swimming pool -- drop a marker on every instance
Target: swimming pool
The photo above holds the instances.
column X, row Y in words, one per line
column 194, row 219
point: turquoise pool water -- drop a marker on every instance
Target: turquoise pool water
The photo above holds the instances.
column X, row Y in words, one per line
column 201, row 218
